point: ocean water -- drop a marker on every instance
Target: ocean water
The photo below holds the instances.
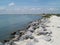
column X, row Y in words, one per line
column 13, row 22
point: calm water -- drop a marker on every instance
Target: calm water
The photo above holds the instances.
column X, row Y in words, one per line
column 10, row 23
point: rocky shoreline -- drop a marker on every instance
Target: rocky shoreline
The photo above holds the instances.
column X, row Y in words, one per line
column 27, row 33
column 34, row 33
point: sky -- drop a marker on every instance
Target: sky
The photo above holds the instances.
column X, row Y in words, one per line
column 29, row 6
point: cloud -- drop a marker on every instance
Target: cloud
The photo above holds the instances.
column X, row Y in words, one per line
column 2, row 8
column 53, row 9
column 29, row 10
column 11, row 4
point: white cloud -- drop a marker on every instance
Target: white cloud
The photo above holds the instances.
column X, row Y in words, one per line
column 52, row 9
column 2, row 8
column 11, row 4
column 25, row 10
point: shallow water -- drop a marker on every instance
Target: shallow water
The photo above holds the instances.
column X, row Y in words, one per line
column 14, row 22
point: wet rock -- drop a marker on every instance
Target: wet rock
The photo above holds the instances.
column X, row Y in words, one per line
column 27, row 35
column 44, row 29
column 43, row 33
column 21, row 34
column 34, row 28
column 28, row 27
column 13, row 33
column 6, row 40
column 31, row 29
column 31, row 37
column 49, row 32
column 24, row 37
column 16, row 38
